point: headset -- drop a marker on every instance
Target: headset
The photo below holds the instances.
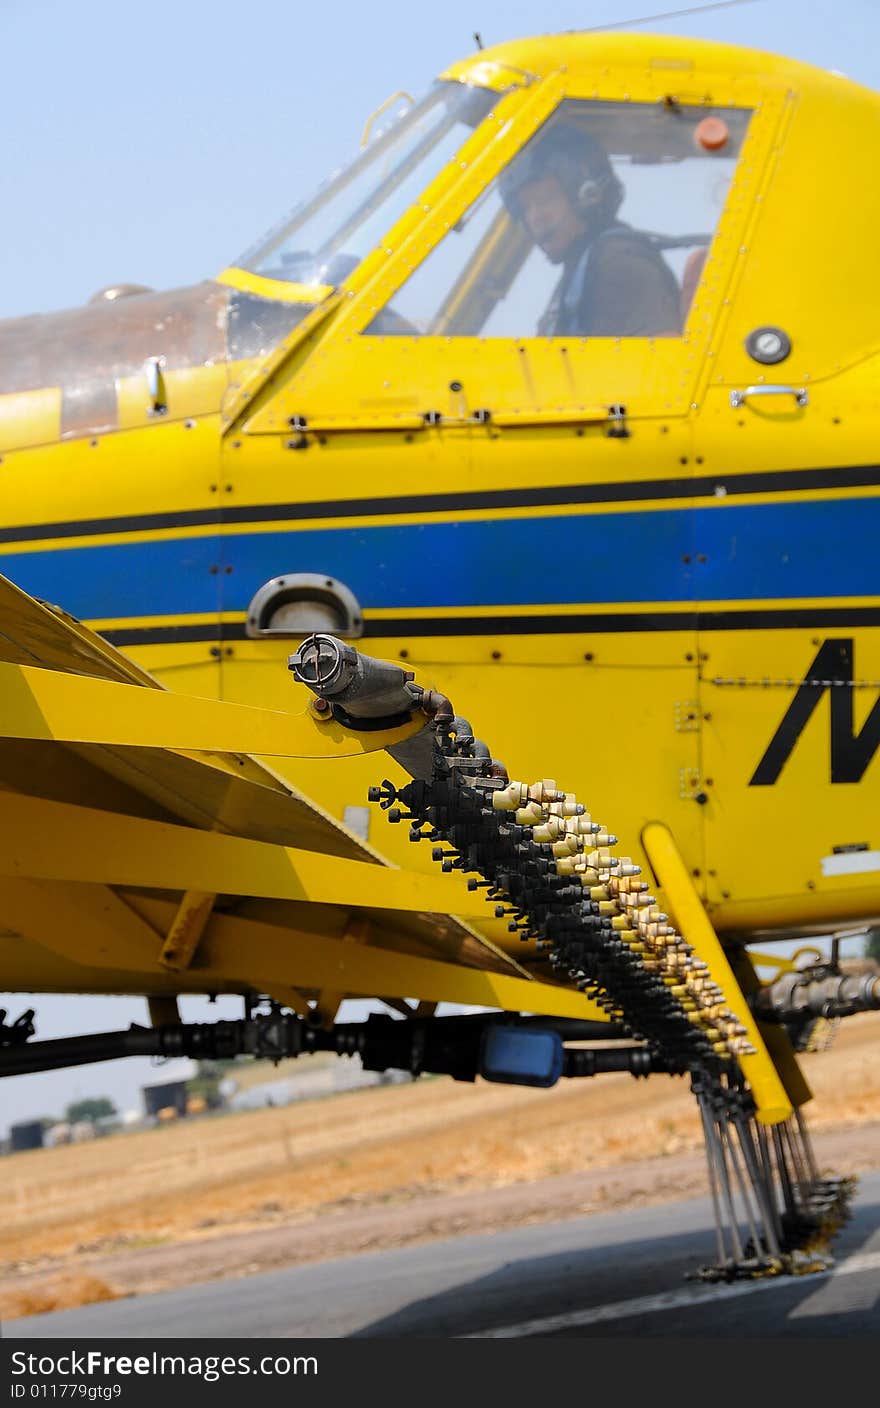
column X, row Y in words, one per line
column 593, row 191
column 564, row 152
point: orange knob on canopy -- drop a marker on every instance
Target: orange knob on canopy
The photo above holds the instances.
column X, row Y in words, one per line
column 712, row 133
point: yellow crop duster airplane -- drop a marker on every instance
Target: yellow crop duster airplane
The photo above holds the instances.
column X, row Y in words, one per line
column 561, row 400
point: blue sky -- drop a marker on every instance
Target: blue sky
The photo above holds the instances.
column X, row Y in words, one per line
column 153, row 143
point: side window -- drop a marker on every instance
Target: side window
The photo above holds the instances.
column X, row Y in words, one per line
column 599, row 227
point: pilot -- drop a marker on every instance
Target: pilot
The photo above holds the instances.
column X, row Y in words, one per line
column 563, row 190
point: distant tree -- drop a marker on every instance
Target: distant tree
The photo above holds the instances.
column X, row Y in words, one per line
column 872, row 943
column 94, row 1108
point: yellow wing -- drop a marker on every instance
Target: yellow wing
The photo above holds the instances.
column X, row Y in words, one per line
column 135, row 861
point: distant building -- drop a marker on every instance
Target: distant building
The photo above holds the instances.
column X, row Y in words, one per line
column 106, row 1124
column 313, row 1079
column 28, row 1135
column 170, row 1095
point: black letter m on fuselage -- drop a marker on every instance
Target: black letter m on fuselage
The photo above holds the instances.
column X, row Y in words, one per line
column 832, row 670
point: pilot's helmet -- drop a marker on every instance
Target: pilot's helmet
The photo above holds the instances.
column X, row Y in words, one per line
column 576, row 159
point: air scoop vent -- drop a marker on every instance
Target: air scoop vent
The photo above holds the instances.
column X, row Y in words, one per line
column 299, row 603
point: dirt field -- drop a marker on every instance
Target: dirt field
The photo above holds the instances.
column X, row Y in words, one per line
column 232, row 1194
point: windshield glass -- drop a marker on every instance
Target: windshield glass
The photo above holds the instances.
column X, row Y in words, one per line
column 330, row 234
column 599, row 227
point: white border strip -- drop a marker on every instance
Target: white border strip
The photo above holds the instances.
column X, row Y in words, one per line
column 670, row 1300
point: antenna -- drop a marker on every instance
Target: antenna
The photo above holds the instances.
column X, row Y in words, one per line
column 666, row 15
column 478, row 39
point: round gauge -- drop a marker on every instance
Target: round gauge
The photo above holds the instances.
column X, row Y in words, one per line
column 768, row 345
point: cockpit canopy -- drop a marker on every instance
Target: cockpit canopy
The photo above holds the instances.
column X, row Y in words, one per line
column 645, row 184
column 326, row 237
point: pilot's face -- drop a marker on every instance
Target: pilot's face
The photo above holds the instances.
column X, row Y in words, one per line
column 550, row 217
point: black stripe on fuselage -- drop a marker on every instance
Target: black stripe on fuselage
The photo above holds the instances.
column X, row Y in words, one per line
column 582, row 623
column 549, row 496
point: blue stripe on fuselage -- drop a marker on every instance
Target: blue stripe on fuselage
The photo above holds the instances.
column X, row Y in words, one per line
column 820, row 548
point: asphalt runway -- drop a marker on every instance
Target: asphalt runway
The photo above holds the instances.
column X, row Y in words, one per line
column 606, row 1275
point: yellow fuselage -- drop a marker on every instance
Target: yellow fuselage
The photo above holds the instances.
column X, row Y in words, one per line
column 679, row 623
